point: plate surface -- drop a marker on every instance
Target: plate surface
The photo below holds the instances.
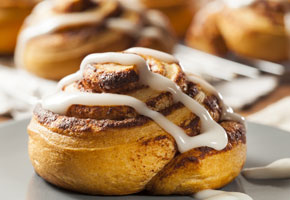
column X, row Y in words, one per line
column 18, row 181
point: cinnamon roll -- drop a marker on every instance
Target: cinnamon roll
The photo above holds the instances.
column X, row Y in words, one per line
column 254, row 29
column 133, row 121
column 12, row 15
column 59, row 34
column 179, row 12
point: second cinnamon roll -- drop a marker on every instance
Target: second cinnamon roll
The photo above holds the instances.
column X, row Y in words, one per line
column 59, row 34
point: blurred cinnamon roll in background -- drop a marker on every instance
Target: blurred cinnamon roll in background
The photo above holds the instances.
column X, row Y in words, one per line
column 12, row 15
column 179, row 12
column 58, row 34
column 253, row 29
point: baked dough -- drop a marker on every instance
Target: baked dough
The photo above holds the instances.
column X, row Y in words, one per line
column 113, row 150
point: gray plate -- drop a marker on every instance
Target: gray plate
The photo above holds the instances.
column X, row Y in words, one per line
column 18, row 181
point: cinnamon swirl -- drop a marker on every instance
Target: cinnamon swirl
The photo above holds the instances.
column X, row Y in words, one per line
column 59, row 34
column 133, row 121
column 254, row 29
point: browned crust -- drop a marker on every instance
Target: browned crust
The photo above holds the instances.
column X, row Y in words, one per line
column 102, row 80
column 195, row 174
column 65, row 124
column 236, row 133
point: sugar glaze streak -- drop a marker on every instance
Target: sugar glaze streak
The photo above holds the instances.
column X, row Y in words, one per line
column 213, row 135
column 278, row 169
column 221, row 195
column 227, row 112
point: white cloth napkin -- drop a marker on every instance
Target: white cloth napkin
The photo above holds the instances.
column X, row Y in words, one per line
column 20, row 91
column 244, row 91
column 277, row 114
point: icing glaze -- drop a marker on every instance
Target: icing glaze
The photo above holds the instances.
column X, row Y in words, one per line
column 153, row 53
column 276, row 170
column 154, row 17
column 124, row 25
column 221, row 195
column 227, row 112
column 213, row 135
column 152, row 32
column 238, row 3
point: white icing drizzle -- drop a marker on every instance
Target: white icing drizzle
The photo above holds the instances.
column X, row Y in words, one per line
column 60, row 102
column 124, row 25
column 152, row 32
column 227, row 112
column 221, row 195
column 133, row 5
column 276, row 170
column 238, row 3
column 137, row 50
column 213, row 135
column 156, row 18
column 153, row 53
column 69, row 79
column 200, row 18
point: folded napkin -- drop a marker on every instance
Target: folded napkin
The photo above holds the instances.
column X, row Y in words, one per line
column 241, row 92
column 276, row 114
column 20, row 91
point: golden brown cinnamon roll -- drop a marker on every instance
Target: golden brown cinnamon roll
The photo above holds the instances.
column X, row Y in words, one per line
column 179, row 12
column 59, row 34
column 255, row 30
column 133, row 121
column 12, row 15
